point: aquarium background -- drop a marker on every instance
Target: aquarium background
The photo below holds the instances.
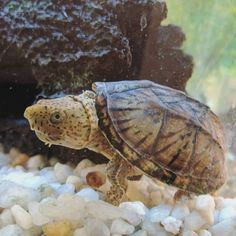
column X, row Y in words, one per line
column 210, row 30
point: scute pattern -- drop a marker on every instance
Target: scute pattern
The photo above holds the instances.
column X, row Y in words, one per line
column 165, row 133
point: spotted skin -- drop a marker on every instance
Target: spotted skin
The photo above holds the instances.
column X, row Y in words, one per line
column 61, row 121
column 143, row 128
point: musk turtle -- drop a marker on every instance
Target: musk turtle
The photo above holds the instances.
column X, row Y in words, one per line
column 142, row 127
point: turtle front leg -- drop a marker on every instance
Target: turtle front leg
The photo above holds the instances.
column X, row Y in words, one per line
column 118, row 170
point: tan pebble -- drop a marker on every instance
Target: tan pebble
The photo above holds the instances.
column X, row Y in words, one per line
column 59, row 228
column 14, row 152
column 21, row 159
column 35, row 162
column 95, row 179
column 156, row 197
column 137, row 191
column 53, row 161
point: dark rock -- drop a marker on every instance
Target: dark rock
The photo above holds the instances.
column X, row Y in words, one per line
column 67, row 45
column 66, row 42
column 64, row 46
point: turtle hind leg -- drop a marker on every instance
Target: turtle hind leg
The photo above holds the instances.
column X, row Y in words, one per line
column 117, row 171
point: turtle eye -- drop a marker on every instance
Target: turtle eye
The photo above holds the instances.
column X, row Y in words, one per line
column 56, row 117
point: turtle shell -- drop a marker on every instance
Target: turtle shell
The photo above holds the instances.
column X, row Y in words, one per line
column 163, row 132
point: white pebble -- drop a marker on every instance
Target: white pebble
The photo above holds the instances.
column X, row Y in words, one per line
column 11, row 194
column 172, row 225
column 37, row 217
column 47, row 190
column 22, row 217
column 158, row 213
column 154, row 229
column 66, row 188
column 106, row 211
column 119, row 226
column 65, row 207
column 216, row 216
column 180, row 212
column 35, row 231
column 80, row 232
column 204, row 233
column 35, row 162
column 88, row 193
column 75, row 180
column 140, row 233
column 227, row 212
column 49, row 174
column 194, row 221
column 34, row 182
column 229, row 202
column 96, row 227
column 224, row 228
column 4, row 159
column 189, row 233
column 137, row 207
column 62, row 171
column 205, row 205
column 12, row 230
column 6, row 218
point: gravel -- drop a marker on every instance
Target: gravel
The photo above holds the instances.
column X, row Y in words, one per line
column 56, row 200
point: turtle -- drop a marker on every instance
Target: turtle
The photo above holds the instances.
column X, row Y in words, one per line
column 143, row 128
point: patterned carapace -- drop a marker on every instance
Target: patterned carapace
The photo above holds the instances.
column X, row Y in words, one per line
column 152, row 129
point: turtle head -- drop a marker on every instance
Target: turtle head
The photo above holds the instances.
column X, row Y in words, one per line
column 61, row 121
